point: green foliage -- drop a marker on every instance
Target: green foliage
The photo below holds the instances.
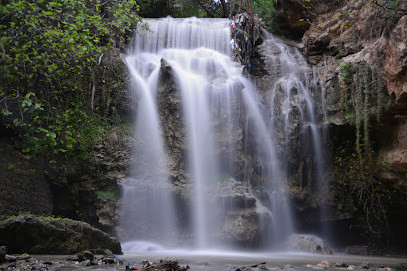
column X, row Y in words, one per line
column 49, row 52
column 41, row 217
column 155, row 8
column 363, row 86
column 106, row 195
column 345, row 72
column 182, row 8
column 187, row 8
column 30, row 144
column 51, row 218
column 265, row 9
column 355, row 170
column 224, row 176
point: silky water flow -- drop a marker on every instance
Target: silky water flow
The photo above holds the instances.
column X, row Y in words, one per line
column 223, row 120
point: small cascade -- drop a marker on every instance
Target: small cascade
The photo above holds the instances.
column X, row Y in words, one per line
column 294, row 80
column 146, row 196
column 322, row 138
column 271, row 176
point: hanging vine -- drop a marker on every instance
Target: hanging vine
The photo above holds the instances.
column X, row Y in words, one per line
column 363, row 85
column 356, row 171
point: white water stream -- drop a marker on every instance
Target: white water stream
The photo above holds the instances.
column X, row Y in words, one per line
column 209, row 83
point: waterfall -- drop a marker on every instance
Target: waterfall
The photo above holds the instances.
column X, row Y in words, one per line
column 147, row 200
column 227, row 140
column 295, row 84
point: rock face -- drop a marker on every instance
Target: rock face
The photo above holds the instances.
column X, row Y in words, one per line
column 307, row 243
column 367, row 34
column 23, row 184
column 396, row 157
column 356, row 54
column 28, row 234
column 353, row 47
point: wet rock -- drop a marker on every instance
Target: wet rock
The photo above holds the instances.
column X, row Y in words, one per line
column 85, row 255
column 85, row 263
column 107, row 252
column 401, row 267
column 307, row 243
column 10, row 258
column 241, row 226
column 325, row 264
column 23, row 257
column 162, row 265
column 53, row 236
column 237, row 201
column 12, row 265
column 108, row 260
column 340, row 264
column 365, row 265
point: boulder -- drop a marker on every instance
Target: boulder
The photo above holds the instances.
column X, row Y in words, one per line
column 241, row 227
column 30, row 234
column 307, row 243
column 85, row 255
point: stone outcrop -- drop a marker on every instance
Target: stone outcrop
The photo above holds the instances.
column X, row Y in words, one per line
column 396, row 156
column 307, row 243
column 368, row 33
column 374, row 37
column 171, row 116
column 372, row 34
column 49, row 235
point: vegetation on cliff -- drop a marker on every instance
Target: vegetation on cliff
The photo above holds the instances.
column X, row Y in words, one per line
column 199, row 8
column 54, row 91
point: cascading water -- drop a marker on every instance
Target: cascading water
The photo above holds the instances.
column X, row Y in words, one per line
column 147, row 200
column 294, row 82
column 230, row 145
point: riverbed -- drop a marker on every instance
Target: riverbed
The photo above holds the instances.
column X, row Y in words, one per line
column 234, row 261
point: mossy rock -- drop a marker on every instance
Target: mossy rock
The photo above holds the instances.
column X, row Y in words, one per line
column 38, row 235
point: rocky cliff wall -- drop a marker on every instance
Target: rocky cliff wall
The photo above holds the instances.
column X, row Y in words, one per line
column 359, row 52
column 356, row 54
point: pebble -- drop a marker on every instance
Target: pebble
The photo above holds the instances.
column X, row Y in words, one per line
column 340, row 264
column 85, row 263
column 324, row 264
column 365, row 265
